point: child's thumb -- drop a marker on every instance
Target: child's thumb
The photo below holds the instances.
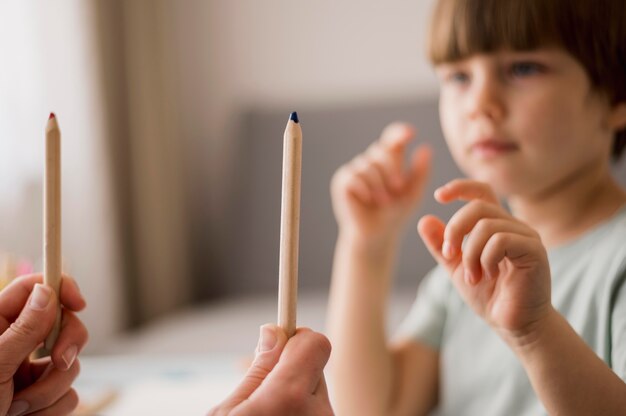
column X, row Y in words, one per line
column 29, row 329
column 431, row 229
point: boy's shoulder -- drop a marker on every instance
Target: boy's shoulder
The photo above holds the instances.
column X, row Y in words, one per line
column 600, row 252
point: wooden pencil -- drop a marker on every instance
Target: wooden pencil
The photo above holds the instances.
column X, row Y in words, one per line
column 52, row 219
column 290, row 226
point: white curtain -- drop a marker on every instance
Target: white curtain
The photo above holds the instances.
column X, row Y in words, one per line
column 49, row 64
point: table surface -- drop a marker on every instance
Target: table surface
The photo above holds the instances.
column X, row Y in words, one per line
column 162, row 384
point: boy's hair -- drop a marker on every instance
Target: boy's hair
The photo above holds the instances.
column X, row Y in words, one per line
column 593, row 32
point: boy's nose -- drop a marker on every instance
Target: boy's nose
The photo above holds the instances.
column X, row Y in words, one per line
column 486, row 101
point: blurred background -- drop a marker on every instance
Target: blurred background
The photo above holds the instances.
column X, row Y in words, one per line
column 172, row 114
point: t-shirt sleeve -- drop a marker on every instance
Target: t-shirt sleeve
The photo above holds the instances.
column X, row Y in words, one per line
column 426, row 318
column 618, row 327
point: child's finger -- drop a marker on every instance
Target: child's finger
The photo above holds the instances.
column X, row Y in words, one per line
column 347, row 180
column 520, row 250
column 430, row 229
column 419, row 170
column 391, row 165
column 372, row 174
column 396, row 136
column 358, row 187
column 465, row 190
column 464, row 220
column 477, row 240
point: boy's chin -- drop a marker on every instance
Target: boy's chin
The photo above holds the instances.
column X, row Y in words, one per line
column 503, row 186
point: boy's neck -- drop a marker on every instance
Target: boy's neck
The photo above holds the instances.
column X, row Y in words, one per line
column 571, row 208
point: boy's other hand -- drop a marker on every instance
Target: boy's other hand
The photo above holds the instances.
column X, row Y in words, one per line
column 374, row 194
column 286, row 377
column 27, row 313
column 502, row 269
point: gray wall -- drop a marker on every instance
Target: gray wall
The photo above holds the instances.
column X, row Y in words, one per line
column 332, row 136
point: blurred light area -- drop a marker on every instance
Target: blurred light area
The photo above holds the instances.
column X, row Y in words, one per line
column 203, row 63
column 20, row 86
column 324, row 51
column 49, row 65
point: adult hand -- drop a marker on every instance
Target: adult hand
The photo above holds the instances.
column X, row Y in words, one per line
column 27, row 313
column 286, row 377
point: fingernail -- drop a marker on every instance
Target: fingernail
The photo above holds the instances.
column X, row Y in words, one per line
column 40, row 297
column 70, row 355
column 469, row 279
column 267, row 340
column 448, row 250
column 18, row 407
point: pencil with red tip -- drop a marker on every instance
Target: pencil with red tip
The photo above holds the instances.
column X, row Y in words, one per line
column 290, row 226
column 52, row 219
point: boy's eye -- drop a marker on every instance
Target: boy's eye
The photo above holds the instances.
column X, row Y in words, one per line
column 457, row 77
column 525, row 69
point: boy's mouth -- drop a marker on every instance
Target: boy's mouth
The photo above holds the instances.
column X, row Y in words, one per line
column 489, row 148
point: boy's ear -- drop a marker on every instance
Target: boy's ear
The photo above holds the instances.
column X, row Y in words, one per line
column 617, row 117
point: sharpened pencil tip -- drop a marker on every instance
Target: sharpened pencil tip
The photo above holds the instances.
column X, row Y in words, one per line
column 51, row 116
column 294, row 117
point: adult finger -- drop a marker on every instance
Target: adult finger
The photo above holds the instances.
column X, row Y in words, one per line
column 64, row 406
column 272, row 340
column 302, row 361
column 29, row 329
column 51, row 387
column 14, row 296
column 293, row 387
column 465, row 190
column 72, row 338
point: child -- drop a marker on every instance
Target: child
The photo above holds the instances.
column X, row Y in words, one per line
column 526, row 311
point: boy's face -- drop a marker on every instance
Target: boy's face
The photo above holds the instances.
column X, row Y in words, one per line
column 525, row 122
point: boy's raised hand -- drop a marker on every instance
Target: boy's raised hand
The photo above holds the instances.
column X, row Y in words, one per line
column 502, row 270
column 374, row 194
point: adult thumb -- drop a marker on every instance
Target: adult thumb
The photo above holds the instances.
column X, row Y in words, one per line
column 29, row 329
column 272, row 341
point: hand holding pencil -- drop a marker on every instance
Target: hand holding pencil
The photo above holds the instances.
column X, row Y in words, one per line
column 27, row 313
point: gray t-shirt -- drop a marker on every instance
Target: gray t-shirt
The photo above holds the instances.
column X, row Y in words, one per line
column 480, row 375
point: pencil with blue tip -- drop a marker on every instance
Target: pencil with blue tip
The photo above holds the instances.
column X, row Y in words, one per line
column 290, row 226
